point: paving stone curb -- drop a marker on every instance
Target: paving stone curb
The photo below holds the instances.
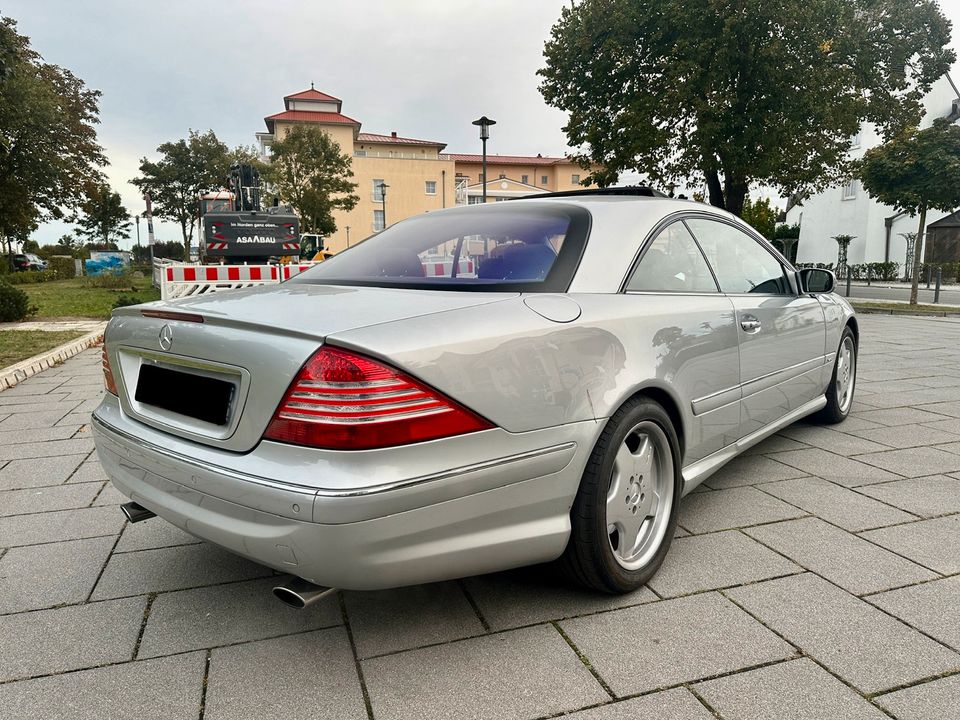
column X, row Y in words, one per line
column 897, row 311
column 10, row 376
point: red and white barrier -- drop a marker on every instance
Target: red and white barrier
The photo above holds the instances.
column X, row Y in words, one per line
column 443, row 268
column 178, row 280
column 187, row 280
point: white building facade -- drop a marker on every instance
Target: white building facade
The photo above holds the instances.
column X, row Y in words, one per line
column 848, row 210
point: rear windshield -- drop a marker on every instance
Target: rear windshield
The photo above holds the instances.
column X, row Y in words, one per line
column 521, row 246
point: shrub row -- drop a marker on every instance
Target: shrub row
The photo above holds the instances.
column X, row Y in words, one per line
column 862, row 271
column 58, row 268
column 949, row 271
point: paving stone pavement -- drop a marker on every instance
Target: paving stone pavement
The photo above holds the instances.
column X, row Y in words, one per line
column 817, row 576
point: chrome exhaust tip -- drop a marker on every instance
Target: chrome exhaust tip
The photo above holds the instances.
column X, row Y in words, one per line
column 299, row 593
column 136, row 512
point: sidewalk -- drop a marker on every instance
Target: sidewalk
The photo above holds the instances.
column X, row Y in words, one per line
column 92, row 334
column 816, row 576
column 86, row 326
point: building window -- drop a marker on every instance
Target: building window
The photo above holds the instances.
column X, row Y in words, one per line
column 430, row 187
column 850, row 190
column 359, row 153
column 543, row 179
column 575, row 179
column 377, row 191
column 855, row 140
column 525, row 179
column 377, row 220
column 475, row 200
column 501, row 199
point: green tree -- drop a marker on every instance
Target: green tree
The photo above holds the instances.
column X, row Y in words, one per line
column 171, row 250
column 760, row 215
column 48, row 140
column 736, row 93
column 104, row 218
column 68, row 244
column 186, row 169
column 309, row 171
column 916, row 171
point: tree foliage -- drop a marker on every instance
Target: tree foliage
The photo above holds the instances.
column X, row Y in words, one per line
column 104, row 218
column 786, row 232
column 309, row 171
column 187, row 168
column 170, row 250
column 760, row 215
column 48, row 141
column 68, row 244
column 735, row 93
column 915, row 171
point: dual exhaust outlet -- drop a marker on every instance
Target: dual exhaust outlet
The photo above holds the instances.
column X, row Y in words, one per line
column 296, row 592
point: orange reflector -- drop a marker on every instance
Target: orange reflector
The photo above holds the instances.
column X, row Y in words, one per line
column 108, row 380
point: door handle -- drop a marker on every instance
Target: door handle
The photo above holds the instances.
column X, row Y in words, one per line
column 750, row 324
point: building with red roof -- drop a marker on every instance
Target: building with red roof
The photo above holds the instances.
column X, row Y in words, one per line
column 419, row 176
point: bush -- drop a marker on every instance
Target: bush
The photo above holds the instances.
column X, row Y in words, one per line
column 111, row 281
column 14, row 303
column 63, row 268
column 126, row 300
column 949, row 271
column 30, row 277
column 786, row 232
column 818, row 266
column 879, row 270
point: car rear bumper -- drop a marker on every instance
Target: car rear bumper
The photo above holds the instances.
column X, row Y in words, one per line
column 481, row 517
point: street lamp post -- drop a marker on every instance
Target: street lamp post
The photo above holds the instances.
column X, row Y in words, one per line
column 348, row 236
column 383, row 199
column 484, row 122
column 149, row 215
column 137, row 218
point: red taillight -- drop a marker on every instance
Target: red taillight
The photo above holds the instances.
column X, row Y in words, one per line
column 108, row 380
column 345, row 401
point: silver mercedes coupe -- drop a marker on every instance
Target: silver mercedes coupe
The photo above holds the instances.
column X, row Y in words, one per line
column 473, row 389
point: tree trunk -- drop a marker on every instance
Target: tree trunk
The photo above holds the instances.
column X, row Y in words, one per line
column 917, row 254
column 714, row 188
column 186, row 241
column 734, row 193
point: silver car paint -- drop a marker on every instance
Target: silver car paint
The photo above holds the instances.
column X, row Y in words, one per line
column 274, row 331
column 548, row 373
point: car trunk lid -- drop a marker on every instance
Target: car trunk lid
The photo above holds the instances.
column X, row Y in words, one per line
column 213, row 368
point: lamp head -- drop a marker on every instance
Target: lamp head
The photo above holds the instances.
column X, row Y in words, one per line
column 484, row 122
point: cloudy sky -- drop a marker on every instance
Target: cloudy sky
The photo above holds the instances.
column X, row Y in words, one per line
column 422, row 68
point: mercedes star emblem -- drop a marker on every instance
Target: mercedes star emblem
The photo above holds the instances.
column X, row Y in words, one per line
column 166, row 337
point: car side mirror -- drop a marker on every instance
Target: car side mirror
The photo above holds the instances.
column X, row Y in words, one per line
column 817, row 281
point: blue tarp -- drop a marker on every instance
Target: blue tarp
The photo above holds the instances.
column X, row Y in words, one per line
column 100, row 263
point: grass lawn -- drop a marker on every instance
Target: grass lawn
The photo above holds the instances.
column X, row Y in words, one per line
column 79, row 298
column 17, row 345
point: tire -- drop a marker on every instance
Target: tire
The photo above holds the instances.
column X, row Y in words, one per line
column 839, row 403
column 632, row 482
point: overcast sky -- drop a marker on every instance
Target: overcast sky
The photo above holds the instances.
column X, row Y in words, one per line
column 422, row 68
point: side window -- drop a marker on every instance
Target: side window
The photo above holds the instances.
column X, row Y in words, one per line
column 672, row 263
column 741, row 264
